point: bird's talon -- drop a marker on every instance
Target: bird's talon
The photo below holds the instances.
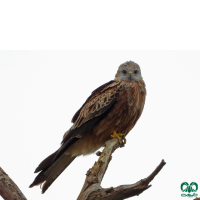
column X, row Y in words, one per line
column 121, row 138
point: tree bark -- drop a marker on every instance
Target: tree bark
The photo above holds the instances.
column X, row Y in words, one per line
column 8, row 189
column 92, row 189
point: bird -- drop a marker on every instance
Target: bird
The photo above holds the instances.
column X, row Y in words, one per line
column 111, row 110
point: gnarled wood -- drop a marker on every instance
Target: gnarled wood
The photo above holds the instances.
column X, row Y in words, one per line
column 8, row 189
column 92, row 187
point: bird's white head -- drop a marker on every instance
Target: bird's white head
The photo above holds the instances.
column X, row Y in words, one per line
column 129, row 71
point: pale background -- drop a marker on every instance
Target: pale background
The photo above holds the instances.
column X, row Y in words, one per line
column 41, row 90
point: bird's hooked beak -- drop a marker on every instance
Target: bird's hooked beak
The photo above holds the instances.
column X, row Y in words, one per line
column 130, row 75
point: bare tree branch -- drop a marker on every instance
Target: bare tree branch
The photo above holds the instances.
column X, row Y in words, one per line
column 8, row 189
column 92, row 187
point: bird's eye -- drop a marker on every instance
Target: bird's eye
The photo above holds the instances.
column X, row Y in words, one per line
column 136, row 71
column 124, row 71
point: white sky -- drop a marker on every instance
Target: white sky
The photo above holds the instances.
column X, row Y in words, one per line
column 41, row 90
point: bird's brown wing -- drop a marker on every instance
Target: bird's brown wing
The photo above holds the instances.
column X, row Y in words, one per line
column 97, row 106
column 95, row 93
column 100, row 101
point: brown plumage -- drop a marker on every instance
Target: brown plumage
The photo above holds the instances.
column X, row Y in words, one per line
column 114, row 106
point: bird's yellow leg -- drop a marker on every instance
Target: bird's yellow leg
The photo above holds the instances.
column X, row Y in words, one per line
column 121, row 137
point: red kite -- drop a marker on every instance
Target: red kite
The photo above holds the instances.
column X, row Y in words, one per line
column 112, row 108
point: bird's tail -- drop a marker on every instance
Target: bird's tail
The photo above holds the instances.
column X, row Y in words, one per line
column 51, row 170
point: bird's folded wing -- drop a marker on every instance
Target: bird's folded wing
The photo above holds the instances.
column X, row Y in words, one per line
column 96, row 106
column 94, row 109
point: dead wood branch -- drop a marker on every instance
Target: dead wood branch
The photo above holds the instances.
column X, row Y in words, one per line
column 92, row 187
column 8, row 189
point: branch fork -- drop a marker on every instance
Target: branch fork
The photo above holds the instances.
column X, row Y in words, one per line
column 92, row 187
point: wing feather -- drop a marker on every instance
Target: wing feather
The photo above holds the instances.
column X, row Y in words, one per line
column 95, row 107
column 97, row 103
column 94, row 93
